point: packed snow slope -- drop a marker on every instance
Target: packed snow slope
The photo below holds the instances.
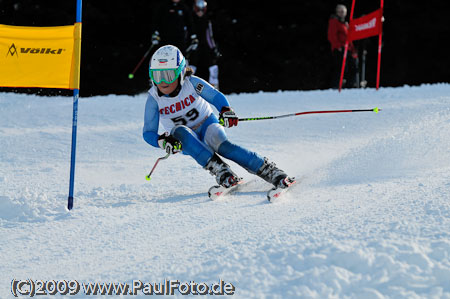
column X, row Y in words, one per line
column 369, row 219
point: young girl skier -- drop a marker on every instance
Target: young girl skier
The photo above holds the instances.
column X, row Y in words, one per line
column 182, row 103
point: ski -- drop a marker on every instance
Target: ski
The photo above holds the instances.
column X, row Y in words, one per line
column 216, row 192
column 275, row 193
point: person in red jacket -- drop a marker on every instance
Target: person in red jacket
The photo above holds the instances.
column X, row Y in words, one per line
column 337, row 36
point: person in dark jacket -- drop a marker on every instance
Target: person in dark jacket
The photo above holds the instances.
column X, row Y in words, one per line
column 337, row 36
column 204, row 60
column 172, row 25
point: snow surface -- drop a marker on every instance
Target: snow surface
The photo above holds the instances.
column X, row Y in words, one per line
column 370, row 218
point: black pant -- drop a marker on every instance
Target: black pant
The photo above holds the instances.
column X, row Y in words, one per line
column 351, row 73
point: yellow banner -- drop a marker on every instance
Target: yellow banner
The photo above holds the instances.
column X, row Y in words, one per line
column 46, row 57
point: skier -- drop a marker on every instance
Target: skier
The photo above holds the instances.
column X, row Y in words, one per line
column 182, row 103
column 172, row 25
column 204, row 61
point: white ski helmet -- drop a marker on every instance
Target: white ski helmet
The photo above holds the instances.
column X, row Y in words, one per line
column 167, row 64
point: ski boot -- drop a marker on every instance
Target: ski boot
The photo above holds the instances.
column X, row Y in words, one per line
column 224, row 176
column 272, row 174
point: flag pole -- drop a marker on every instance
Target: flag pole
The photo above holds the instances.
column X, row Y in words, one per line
column 76, row 93
column 341, row 78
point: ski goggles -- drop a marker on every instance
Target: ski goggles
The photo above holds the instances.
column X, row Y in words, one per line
column 166, row 75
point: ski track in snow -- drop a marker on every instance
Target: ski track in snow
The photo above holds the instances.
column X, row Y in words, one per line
column 370, row 218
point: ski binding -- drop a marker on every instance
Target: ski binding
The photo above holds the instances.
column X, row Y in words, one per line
column 216, row 192
column 277, row 192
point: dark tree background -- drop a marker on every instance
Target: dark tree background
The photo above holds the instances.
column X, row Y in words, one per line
column 266, row 45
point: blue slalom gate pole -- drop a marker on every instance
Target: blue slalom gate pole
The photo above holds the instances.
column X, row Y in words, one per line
column 76, row 93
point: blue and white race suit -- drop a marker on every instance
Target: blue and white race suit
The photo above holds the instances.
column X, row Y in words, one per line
column 189, row 118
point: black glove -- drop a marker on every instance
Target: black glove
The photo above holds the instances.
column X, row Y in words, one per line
column 169, row 143
column 228, row 118
column 155, row 38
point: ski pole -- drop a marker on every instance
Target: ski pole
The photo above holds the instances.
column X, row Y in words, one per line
column 131, row 75
column 376, row 109
column 147, row 177
column 363, row 82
